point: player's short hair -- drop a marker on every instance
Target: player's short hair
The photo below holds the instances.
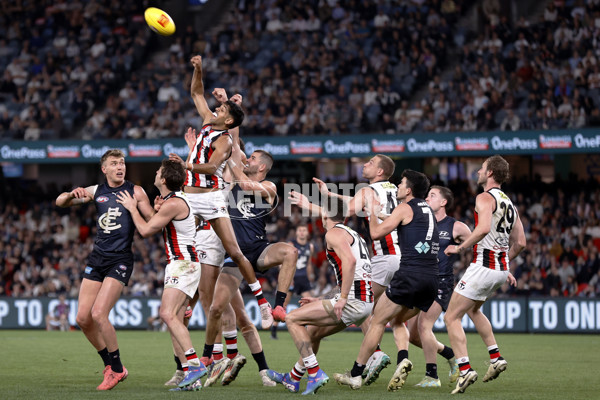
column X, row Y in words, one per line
column 236, row 113
column 111, row 153
column 499, row 167
column 173, row 174
column 335, row 208
column 386, row 164
column 446, row 195
column 302, row 225
column 266, row 158
column 417, row 182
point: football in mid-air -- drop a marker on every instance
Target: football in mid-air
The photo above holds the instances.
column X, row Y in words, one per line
column 159, row 21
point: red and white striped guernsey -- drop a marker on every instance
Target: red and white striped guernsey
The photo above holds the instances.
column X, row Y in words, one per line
column 492, row 251
column 361, row 286
column 386, row 191
column 179, row 234
column 201, row 154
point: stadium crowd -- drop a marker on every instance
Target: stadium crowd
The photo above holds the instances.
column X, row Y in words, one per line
column 308, row 67
column 43, row 248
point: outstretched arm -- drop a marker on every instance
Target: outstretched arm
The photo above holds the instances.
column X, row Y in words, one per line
column 197, row 89
column 77, row 196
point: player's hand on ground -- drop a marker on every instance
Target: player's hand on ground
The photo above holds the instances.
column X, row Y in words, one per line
column 339, row 306
column 158, row 202
column 322, row 186
column 175, row 157
column 220, row 95
column 128, row 201
column 305, row 300
column 237, row 99
column 190, row 138
column 510, row 280
column 197, row 62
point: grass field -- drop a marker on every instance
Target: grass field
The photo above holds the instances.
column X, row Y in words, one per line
column 62, row 365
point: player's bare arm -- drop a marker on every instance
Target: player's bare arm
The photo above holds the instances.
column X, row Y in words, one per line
column 143, row 203
column 517, row 239
column 300, row 200
column 222, row 149
column 460, row 231
column 197, row 90
column 168, row 211
column 76, row 196
column 338, row 239
column 402, row 214
column 267, row 189
column 484, row 207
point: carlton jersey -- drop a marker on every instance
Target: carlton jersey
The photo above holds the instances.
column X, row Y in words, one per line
column 114, row 227
column 201, row 153
column 179, row 234
column 386, row 191
column 446, row 263
column 248, row 212
column 492, row 251
column 303, row 258
column 361, row 287
column 419, row 240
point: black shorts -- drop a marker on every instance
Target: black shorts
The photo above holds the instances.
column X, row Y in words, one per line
column 445, row 289
column 252, row 253
column 119, row 267
column 413, row 289
column 301, row 284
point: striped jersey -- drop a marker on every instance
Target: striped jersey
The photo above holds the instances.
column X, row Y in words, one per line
column 361, row 287
column 492, row 251
column 201, row 153
column 179, row 234
column 387, row 198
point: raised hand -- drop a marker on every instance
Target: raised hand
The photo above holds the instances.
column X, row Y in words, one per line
column 322, row 186
column 190, row 138
column 220, row 95
column 197, row 62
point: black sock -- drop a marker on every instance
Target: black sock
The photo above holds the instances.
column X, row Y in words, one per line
column 208, row 349
column 447, row 353
column 115, row 361
column 357, row 369
column 280, row 298
column 273, row 330
column 431, row 371
column 402, row 354
column 260, row 360
column 105, row 356
column 178, row 363
column 378, row 348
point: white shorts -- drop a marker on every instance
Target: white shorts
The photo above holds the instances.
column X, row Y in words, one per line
column 354, row 312
column 478, row 283
column 209, row 205
column 383, row 268
column 209, row 247
column 183, row 275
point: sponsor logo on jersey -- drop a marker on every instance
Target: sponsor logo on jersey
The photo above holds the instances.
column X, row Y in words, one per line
column 422, row 247
column 444, row 235
column 88, row 270
column 502, row 241
column 102, row 199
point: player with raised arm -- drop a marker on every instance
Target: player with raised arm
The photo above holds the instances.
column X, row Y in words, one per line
column 204, row 182
column 182, row 274
column 498, row 238
column 452, row 232
column 414, row 286
column 386, row 251
column 348, row 255
column 110, row 264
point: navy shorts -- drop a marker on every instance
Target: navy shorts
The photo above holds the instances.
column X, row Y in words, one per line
column 445, row 289
column 412, row 289
column 252, row 253
column 119, row 267
column 301, row 284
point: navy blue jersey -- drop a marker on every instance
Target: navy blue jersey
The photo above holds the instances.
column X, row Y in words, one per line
column 303, row 257
column 446, row 263
column 419, row 240
column 248, row 211
column 115, row 226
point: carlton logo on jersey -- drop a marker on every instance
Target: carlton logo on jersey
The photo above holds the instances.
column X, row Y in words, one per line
column 107, row 220
column 245, row 208
column 102, row 199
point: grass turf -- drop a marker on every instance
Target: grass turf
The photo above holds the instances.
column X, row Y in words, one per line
column 63, row 365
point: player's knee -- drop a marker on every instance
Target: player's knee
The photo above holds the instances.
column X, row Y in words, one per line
column 291, row 253
column 98, row 315
column 216, row 311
